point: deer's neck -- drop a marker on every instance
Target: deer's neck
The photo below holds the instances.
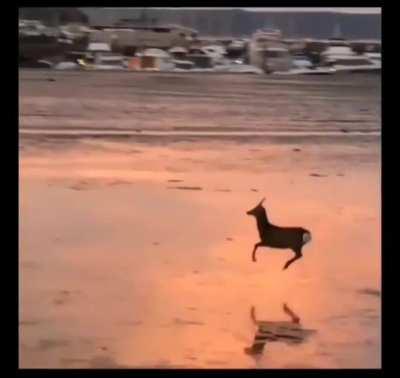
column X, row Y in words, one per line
column 262, row 222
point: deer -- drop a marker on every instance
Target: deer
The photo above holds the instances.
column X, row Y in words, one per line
column 273, row 236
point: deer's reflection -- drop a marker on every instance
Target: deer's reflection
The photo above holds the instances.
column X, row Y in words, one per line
column 290, row 332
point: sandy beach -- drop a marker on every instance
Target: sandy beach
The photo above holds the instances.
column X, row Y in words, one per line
column 135, row 246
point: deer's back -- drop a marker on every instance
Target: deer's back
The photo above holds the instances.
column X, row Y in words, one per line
column 283, row 237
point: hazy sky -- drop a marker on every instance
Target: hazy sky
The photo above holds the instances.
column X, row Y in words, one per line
column 364, row 10
column 345, row 10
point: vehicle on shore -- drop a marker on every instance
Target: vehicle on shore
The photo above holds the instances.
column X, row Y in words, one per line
column 269, row 52
column 340, row 56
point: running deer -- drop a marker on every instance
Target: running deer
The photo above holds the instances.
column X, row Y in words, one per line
column 273, row 236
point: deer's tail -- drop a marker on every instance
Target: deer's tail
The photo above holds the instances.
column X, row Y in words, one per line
column 306, row 236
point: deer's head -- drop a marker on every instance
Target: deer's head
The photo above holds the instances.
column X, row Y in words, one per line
column 258, row 210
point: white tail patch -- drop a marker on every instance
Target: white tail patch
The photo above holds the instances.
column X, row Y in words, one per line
column 306, row 237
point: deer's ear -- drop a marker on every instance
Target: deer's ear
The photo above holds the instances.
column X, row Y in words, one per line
column 261, row 202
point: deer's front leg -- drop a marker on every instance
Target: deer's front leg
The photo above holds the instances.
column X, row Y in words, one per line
column 253, row 255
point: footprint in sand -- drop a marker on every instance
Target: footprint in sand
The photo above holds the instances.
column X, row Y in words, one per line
column 63, row 297
column 317, row 175
column 371, row 292
column 187, row 322
column 29, row 322
column 47, row 344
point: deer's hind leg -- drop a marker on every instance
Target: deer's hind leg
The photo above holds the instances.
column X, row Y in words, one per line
column 297, row 256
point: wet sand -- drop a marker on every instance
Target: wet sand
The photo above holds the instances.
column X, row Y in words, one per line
column 136, row 251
